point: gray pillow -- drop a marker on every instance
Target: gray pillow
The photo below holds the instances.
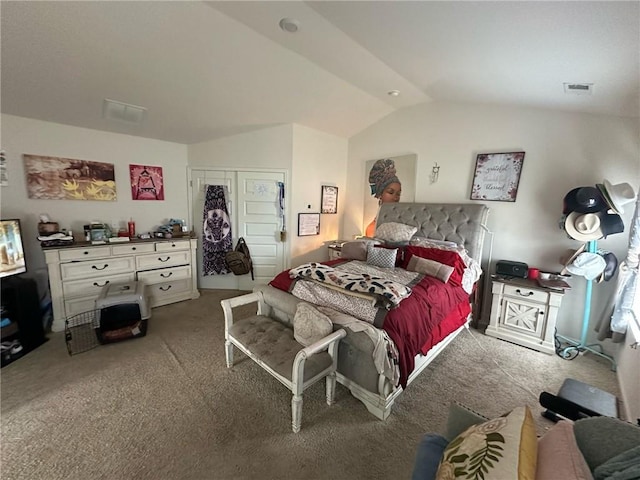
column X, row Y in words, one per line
column 354, row 251
column 382, row 257
column 590, row 432
column 310, row 325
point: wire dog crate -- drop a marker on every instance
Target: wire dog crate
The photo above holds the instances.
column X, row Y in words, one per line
column 81, row 332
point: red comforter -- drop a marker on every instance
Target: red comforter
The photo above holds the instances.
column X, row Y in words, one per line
column 432, row 311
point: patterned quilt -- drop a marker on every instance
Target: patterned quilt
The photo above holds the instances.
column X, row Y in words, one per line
column 389, row 293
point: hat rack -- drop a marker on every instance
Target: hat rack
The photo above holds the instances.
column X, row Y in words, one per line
column 575, row 347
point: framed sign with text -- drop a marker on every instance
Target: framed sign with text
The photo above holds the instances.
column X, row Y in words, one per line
column 308, row 224
column 329, row 200
column 497, row 176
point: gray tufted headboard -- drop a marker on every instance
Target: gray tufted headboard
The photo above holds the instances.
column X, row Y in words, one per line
column 455, row 222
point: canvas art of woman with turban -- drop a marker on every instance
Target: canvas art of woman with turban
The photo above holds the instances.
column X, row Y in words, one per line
column 385, row 186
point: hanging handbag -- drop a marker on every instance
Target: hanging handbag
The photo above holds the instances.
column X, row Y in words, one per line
column 239, row 260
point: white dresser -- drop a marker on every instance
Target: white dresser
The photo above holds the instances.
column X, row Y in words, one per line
column 77, row 273
column 525, row 313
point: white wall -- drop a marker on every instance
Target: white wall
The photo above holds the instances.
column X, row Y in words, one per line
column 563, row 151
column 318, row 159
column 23, row 135
column 310, row 157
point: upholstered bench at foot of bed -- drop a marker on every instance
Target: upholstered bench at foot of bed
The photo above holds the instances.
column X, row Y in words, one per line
column 271, row 344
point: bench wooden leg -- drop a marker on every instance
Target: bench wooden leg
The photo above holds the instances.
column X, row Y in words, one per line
column 229, row 353
column 331, row 388
column 296, row 413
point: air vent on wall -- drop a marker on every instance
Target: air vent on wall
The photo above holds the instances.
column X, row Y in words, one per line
column 124, row 112
column 578, row 88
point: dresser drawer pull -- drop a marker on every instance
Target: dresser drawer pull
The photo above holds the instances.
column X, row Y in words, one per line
column 165, row 260
column 166, row 275
column 528, row 294
column 164, row 289
column 96, row 284
column 133, row 248
column 86, row 252
column 98, row 268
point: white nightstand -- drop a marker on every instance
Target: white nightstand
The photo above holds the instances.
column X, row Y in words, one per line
column 525, row 313
column 335, row 251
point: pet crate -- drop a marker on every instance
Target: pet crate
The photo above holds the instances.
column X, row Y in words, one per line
column 80, row 332
column 121, row 313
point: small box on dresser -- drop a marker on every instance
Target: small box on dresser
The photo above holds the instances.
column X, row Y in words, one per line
column 524, row 313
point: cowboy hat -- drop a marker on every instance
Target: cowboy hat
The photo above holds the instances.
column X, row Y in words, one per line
column 569, row 256
column 583, row 226
column 584, row 200
column 616, row 196
column 588, row 265
column 592, row 226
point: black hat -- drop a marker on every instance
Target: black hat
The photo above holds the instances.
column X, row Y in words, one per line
column 610, row 267
column 584, row 200
column 610, row 223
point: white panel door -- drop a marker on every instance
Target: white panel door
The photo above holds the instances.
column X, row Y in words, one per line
column 254, row 213
column 259, row 223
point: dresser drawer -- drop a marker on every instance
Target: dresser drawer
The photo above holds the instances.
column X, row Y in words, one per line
column 169, row 246
column 93, row 286
column 162, row 260
column 529, row 294
column 84, row 253
column 97, row 268
column 151, row 277
column 130, row 249
column 159, row 290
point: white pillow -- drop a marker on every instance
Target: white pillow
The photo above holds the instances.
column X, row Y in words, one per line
column 309, row 325
column 395, row 232
column 381, row 257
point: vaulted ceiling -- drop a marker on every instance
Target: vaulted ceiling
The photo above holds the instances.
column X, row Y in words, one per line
column 204, row 70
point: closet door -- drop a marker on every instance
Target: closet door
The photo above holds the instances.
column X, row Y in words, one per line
column 260, row 223
column 253, row 208
column 199, row 181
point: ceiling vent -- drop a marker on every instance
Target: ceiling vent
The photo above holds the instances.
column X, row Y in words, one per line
column 123, row 112
column 578, row 88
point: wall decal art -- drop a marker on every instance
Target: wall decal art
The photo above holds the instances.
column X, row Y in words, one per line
column 147, row 182
column 55, row 178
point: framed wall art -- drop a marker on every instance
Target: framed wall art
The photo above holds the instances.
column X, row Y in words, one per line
column 497, row 176
column 56, row 178
column 147, row 182
column 329, row 200
column 308, row 224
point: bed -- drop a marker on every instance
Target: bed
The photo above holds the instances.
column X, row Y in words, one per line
column 390, row 343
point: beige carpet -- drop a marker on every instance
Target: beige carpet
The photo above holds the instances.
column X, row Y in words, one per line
column 166, row 407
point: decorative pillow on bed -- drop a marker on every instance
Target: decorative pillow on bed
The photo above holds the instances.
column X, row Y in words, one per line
column 309, row 325
column 356, row 250
column 395, row 232
column 447, row 257
column 497, row 449
column 381, row 257
column 430, row 242
column 430, row 267
column 559, row 455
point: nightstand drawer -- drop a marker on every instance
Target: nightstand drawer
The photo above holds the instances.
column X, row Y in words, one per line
column 525, row 293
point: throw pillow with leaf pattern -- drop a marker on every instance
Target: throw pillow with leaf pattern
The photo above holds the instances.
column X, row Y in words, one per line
column 498, row 449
